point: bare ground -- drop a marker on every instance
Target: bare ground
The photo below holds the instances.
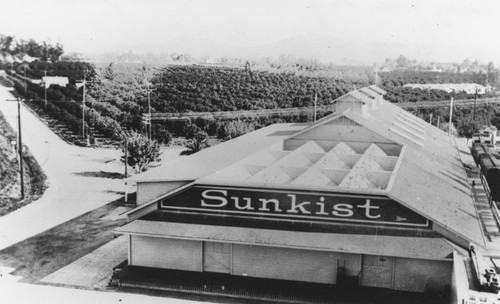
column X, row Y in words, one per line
column 47, row 252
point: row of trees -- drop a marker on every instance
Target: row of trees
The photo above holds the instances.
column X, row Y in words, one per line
column 140, row 150
column 393, row 82
column 44, row 51
column 201, row 88
column 117, row 94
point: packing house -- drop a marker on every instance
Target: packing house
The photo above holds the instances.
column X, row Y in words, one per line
column 370, row 194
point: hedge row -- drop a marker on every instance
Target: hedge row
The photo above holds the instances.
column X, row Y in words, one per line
column 73, row 123
column 68, row 111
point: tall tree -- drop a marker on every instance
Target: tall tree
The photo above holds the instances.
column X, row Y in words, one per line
column 109, row 72
column 198, row 143
column 55, row 52
column 402, row 62
column 6, row 43
column 141, row 151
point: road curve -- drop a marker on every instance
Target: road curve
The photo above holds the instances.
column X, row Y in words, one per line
column 80, row 179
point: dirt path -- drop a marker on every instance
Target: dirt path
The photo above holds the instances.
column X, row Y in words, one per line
column 80, row 179
column 94, row 269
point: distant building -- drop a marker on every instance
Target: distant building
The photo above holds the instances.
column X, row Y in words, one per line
column 469, row 88
column 58, row 80
column 28, row 58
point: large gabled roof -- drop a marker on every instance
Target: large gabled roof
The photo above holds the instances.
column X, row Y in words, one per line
column 388, row 151
column 430, row 179
column 320, row 159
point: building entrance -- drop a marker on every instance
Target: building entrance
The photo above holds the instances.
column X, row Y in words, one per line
column 377, row 271
column 217, row 257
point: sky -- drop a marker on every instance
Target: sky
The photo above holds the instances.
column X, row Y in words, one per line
column 431, row 29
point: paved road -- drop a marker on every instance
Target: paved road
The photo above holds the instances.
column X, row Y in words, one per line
column 80, row 179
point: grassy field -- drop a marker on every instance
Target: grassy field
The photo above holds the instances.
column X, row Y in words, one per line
column 41, row 255
column 10, row 186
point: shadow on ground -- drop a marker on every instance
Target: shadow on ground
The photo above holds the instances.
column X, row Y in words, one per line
column 101, row 174
column 53, row 249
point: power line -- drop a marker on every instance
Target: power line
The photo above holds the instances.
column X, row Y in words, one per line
column 20, row 146
column 148, row 118
column 233, row 114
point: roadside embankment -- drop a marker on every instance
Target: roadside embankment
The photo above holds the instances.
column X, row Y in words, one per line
column 10, row 184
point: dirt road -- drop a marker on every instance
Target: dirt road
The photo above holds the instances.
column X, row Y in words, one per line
column 80, row 179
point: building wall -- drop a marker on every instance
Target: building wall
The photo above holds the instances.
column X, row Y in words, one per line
column 348, row 103
column 166, row 253
column 291, row 264
column 460, row 282
column 150, row 190
column 422, row 275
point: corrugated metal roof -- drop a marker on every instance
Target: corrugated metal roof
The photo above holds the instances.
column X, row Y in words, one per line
column 411, row 247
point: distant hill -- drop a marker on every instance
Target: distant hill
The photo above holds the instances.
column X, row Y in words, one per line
column 323, row 47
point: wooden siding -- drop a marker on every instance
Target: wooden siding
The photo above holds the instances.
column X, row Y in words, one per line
column 377, row 271
column 291, row 264
column 166, row 253
column 422, row 275
column 217, row 257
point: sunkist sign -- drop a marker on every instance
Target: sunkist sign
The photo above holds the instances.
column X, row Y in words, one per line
column 293, row 205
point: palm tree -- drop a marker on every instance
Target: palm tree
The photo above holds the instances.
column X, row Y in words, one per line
column 198, row 143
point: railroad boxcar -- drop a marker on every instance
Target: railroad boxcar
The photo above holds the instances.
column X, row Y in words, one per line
column 477, row 150
column 491, row 172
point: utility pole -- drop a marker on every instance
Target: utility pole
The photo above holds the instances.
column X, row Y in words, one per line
column 84, row 81
column 126, row 164
column 45, row 86
column 83, row 110
column 149, row 109
column 451, row 116
column 315, row 104
column 474, row 113
column 25, row 83
column 20, row 146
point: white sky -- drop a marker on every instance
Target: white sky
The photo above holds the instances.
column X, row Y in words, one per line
column 106, row 25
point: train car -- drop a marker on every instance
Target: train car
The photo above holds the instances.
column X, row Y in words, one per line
column 491, row 172
column 477, row 150
column 476, row 138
